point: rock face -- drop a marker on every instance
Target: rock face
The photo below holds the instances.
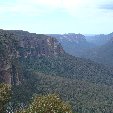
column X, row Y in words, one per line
column 39, row 46
column 16, row 44
column 8, row 59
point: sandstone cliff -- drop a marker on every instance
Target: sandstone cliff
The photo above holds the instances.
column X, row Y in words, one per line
column 16, row 44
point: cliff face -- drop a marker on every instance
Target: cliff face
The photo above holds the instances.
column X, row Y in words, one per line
column 8, row 59
column 16, row 44
column 31, row 46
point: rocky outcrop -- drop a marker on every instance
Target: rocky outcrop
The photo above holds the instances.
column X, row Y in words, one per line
column 30, row 46
column 22, row 44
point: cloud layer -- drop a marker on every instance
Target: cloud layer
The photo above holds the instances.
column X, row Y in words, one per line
column 39, row 6
column 60, row 15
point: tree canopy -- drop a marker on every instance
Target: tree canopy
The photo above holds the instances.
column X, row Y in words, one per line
column 5, row 94
column 50, row 103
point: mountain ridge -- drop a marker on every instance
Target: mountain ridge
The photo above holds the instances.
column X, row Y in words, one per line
column 74, row 44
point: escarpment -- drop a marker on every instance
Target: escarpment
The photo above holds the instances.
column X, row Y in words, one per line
column 21, row 44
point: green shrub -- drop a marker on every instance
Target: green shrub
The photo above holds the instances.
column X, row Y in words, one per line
column 5, row 94
column 47, row 104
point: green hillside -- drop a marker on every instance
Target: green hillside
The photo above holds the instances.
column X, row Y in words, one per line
column 86, row 85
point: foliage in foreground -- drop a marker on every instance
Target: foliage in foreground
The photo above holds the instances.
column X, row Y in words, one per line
column 47, row 104
column 5, row 94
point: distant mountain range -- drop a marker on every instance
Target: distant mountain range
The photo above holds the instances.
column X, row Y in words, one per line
column 98, row 48
column 74, row 44
column 99, row 39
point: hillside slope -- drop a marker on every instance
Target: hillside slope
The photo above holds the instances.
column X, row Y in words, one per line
column 70, row 67
column 102, row 54
column 83, row 96
column 37, row 63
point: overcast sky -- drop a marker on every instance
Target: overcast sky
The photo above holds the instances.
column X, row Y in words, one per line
column 57, row 16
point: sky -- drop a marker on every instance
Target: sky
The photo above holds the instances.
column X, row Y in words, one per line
column 57, row 16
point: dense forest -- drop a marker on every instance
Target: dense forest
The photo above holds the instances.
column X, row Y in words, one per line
column 39, row 71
